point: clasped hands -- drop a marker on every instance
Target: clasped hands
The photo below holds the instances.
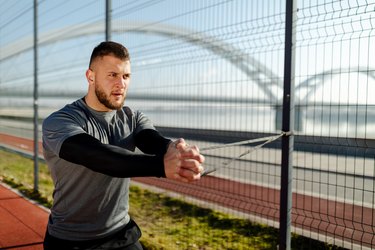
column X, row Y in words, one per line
column 183, row 162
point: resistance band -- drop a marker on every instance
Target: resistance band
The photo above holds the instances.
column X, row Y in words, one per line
column 266, row 140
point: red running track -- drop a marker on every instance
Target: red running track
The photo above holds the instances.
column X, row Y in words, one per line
column 22, row 223
column 344, row 222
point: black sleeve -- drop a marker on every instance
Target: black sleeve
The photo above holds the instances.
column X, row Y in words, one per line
column 111, row 160
column 150, row 141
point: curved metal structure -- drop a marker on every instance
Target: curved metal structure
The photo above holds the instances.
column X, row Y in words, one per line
column 255, row 70
column 315, row 81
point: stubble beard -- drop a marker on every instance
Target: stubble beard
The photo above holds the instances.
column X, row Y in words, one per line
column 105, row 99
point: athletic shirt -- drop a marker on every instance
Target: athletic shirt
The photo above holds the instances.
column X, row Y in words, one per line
column 87, row 204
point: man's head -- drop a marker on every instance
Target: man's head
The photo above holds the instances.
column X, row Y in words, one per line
column 109, row 48
column 108, row 76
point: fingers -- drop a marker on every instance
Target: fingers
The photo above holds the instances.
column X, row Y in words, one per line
column 180, row 143
column 191, row 152
column 190, row 170
column 183, row 162
column 189, row 174
column 192, row 165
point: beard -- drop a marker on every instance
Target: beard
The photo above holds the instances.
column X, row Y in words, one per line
column 106, row 101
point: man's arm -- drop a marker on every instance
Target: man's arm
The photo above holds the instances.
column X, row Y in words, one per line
column 111, row 160
column 180, row 161
column 150, row 141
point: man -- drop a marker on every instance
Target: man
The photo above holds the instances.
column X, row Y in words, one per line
column 89, row 146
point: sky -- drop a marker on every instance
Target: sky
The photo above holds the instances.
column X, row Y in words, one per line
column 207, row 17
column 333, row 62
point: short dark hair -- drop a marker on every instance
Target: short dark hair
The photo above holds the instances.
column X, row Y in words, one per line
column 110, row 48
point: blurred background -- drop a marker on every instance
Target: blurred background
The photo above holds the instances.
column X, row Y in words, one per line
column 213, row 72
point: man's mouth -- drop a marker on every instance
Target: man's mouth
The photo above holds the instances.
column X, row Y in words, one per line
column 118, row 94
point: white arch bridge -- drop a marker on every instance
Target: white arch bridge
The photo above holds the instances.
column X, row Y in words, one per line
column 265, row 79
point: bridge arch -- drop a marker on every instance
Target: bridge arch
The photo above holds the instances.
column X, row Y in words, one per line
column 256, row 71
column 314, row 82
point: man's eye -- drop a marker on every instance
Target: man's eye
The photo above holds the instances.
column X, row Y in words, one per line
column 112, row 74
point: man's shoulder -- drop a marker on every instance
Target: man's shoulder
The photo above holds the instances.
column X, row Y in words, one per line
column 127, row 111
column 132, row 114
column 71, row 110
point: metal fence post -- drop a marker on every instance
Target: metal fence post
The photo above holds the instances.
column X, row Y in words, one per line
column 287, row 126
column 36, row 130
column 108, row 7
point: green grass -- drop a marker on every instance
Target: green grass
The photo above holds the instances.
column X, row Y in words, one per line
column 17, row 171
column 166, row 223
column 170, row 222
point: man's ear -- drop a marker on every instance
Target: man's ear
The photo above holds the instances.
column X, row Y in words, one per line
column 90, row 76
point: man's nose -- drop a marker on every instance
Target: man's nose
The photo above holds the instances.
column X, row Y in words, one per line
column 120, row 82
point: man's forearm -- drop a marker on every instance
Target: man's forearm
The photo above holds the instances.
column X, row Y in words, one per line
column 111, row 160
column 150, row 141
